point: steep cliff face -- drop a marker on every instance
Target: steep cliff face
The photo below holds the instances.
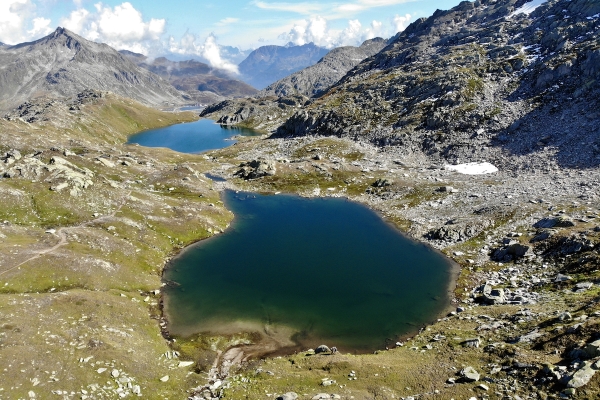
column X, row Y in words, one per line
column 316, row 79
column 268, row 64
column 484, row 76
column 64, row 64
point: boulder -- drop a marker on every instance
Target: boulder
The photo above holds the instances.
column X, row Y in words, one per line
column 256, row 169
column 380, row 183
column 583, row 286
column 493, row 296
column 447, row 189
column 558, row 222
column 541, row 236
column 469, row 374
column 511, row 252
column 476, row 342
column 592, row 349
column 288, row 396
column 322, row 349
column 582, row 376
column 105, row 162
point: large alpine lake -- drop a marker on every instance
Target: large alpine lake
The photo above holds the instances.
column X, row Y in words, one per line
column 320, row 270
column 192, row 137
column 300, row 271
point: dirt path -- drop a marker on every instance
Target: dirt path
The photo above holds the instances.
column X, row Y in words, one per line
column 62, row 234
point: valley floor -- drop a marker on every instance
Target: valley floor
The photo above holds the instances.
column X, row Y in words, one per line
column 88, row 224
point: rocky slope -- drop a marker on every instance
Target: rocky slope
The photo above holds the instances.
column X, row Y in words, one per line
column 64, row 64
column 268, row 64
column 481, row 81
column 198, row 80
column 487, row 80
column 316, row 79
column 86, row 226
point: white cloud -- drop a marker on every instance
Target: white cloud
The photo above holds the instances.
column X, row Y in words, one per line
column 41, row 27
column 122, row 27
column 300, row 8
column 212, row 53
column 14, row 17
column 311, row 8
column 316, row 30
column 313, row 30
column 362, row 5
column 400, row 22
column 227, row 21
column 353, row 33
column 375, row 30
column 209, row 51
column 76, row 21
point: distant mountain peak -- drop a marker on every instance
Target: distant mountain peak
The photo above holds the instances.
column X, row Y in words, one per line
column 64, row 63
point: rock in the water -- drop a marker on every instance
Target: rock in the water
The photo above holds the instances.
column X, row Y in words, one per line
column 322, row 349
column 469, row 374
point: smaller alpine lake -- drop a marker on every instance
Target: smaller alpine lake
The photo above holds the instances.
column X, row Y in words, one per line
column 307, row 272
column 192, row 137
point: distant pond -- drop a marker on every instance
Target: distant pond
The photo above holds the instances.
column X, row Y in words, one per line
column 324, row 270
column 192, row 137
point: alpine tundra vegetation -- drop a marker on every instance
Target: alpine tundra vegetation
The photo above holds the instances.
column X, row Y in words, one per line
column 475, row 130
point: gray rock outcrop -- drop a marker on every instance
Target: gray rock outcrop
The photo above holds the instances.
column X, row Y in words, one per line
column 256, row 169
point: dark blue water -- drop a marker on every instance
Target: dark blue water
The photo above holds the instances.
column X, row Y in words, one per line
column 326, row 270
column 192, row 137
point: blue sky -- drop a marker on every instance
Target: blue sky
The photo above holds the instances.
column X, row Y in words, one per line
column 201, row 28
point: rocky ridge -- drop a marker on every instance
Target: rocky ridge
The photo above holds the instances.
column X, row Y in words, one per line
column 483, row 81
column 480, row 81
column 316, row 79
column 63, row 64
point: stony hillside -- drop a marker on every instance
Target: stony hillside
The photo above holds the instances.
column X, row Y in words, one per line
column 268, row 64
column 316, row 79
column 64, row 64
column 481, row 81
column 198, row 80
column 86, row 225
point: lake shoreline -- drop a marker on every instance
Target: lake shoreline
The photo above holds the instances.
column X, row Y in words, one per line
column 259, row 349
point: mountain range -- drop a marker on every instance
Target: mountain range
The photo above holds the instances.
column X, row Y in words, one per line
column 64, row 64
column 198, row 80
column 459, row 84
column 268, row 64
column 315, row 79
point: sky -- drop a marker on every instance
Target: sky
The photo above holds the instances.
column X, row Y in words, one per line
column 203, row 29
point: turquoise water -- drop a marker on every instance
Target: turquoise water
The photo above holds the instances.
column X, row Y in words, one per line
column 192, row 137
column 328, row 270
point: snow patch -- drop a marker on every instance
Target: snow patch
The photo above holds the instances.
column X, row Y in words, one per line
column 473, row 168
column 528, row 8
